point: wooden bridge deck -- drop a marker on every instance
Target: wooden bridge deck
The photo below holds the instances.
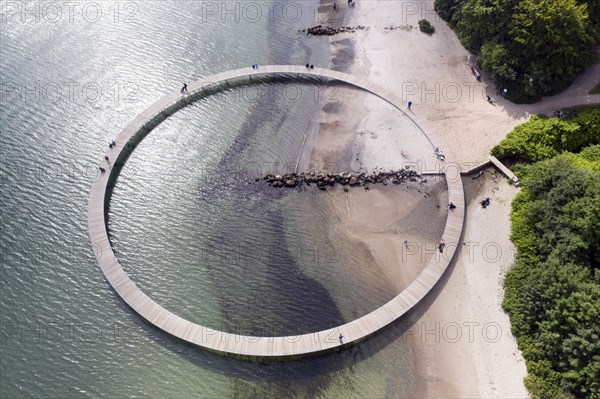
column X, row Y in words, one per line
column 251, row 346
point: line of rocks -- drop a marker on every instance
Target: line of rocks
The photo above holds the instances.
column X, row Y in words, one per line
column 321, row 30
column 322, row 180
column 405, row 27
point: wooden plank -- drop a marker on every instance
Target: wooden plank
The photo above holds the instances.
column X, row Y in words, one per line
column 504, row 169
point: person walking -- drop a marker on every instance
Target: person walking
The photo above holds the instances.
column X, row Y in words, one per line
column 184, row 89
column 409, row 105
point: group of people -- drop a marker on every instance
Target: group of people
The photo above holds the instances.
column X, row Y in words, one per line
column 559, row 113
column 112, row 144
column 254, row 66
column 310, row 66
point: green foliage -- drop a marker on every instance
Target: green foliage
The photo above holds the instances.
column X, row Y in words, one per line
column 552, row 39
column 496, row 59
column 484, row 21
column 531, row 47
column 589, row 158
column 553, row 291
column 594, row 13
column 426, row 27
column 449, row 10
column 542, row 138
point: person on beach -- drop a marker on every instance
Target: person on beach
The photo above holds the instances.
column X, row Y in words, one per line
column 341, row 337
column 489, row 99
column 451, row 206
column 184, row 89
column 102, row 170
column 334, row 6
column 438, row 154
column 409, row 104
column 307, row 66
column 442, row 245
column 106, row 159
column 406, row 243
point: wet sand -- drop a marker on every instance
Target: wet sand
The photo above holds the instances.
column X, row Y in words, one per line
column 453, row 350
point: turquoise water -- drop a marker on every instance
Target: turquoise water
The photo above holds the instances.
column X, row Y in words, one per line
column 196, row 238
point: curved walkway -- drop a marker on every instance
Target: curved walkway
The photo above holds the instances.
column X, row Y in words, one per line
column 265, row 346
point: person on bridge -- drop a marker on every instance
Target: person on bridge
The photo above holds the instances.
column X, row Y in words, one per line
column 442, row 245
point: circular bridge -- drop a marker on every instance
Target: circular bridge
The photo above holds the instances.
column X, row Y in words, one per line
column 244, row 345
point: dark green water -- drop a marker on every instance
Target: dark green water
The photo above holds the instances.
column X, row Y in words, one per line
column 198, row 240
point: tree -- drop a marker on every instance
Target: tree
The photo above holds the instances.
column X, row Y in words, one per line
column 531, row 47
column 542, row 138
column 553, row 291
column 484, row 21
column 552, row 41
column 496, row 59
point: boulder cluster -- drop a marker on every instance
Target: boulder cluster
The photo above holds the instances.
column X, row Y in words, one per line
column 321, row 30
column 322, row 180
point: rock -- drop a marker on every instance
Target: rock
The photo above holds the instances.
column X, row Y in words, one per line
column 396, row 181
column 353, row 181
column 291, row 183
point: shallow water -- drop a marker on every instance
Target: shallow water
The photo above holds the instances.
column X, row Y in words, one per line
column 200, row 241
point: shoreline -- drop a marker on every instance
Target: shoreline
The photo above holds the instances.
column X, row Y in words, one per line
column 401, row 59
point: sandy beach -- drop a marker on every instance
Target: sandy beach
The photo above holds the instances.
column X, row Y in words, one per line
column 461, row 338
